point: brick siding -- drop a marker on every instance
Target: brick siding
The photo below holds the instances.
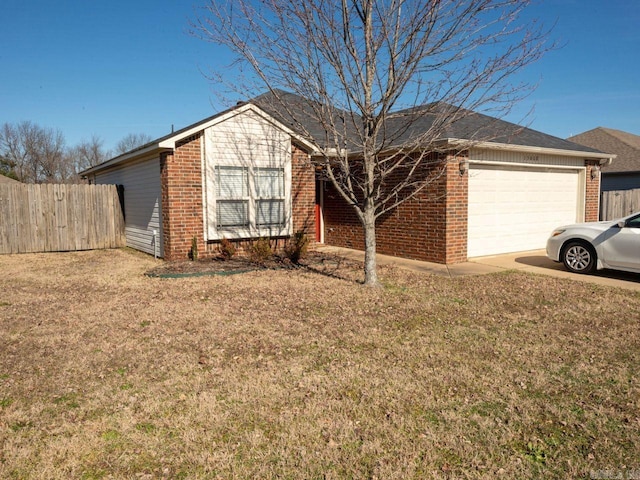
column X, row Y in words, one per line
column 431, row 226
column 457, row 211
column 592, row 199
column 182, row 209
column 303, row 193
column 181, row 179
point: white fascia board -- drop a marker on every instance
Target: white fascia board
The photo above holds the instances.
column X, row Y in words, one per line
column 602, row 157
column 147, row 151
column 170, row 142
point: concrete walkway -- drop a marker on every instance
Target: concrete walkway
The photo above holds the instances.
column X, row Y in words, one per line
column 535, row 261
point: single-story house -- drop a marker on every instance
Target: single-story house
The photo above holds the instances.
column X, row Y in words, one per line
column 624, row 172
column 247, row 172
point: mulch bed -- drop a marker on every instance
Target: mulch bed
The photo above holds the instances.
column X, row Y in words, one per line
column 327, row 264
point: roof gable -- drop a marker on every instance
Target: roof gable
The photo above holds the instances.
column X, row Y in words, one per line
column 168, row 142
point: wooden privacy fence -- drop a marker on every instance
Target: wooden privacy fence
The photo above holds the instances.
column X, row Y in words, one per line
column 619, row 203
column 58, row 218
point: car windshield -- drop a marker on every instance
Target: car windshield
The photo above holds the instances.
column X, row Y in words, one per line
column 634, row 222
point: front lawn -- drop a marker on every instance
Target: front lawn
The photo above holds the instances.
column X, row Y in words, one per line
column 108, row 373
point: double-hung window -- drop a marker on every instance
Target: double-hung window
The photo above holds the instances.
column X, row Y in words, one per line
column 232, row 195
column 269, row 184
column 250, row 199
column 247, row 173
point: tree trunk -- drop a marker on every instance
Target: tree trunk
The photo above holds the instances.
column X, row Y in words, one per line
column 370, row 269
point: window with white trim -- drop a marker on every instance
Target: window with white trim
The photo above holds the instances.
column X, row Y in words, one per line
column 269, row 184
column 247, row 175
column 250, row 201
column 232, row 193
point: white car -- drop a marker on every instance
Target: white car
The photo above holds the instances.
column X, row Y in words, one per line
column 584, row 247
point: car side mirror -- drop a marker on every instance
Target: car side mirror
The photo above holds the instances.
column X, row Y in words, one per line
column 621, row 224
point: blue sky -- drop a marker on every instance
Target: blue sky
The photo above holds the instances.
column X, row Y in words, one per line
column 119, row 67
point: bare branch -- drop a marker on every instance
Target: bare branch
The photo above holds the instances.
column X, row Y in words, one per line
column 377, row 84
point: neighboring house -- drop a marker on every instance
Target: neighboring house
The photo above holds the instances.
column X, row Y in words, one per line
column 246, row 173
column 624, row 172
column 6, row 180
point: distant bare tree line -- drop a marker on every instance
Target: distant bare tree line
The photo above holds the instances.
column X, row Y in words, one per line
column 31, row 153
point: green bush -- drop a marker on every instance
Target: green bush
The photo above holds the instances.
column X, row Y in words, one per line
column 297, row 247
column 193, row 254
column 260, row 251
column 227, row 249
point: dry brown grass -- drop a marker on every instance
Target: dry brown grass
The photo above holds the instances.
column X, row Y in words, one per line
column 107, row 373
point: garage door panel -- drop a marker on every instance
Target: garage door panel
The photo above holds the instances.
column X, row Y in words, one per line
column 514, row 209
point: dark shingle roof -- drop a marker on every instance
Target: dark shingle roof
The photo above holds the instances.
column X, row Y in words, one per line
column 479, row 127
column 625, row 145
column 469, row 125
column 298, row 114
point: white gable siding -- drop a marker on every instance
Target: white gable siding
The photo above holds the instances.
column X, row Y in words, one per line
column 142, row 203
column 507, row 156
column 246, row 140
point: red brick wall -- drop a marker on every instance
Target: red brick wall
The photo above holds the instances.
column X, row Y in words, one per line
column 182, row 209
column 430, row 227
column 181, row 179
column 457, row 210
column 303, row 193
column 592, row 200
column 341, row 225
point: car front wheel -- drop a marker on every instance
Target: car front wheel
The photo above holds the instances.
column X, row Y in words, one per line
column 579, row 258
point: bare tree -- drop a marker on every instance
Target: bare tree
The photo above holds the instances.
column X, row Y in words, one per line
column 36, row 154
column 369, row 73
column 131, row 142
column 14, row 145
column 89, row 153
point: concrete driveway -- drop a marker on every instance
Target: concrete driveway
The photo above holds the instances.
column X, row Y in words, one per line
column 535, row 261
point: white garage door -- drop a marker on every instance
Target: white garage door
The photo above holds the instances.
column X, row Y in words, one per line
column 513, row 209
column 142, row 203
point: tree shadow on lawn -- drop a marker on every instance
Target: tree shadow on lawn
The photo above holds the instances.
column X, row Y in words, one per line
column 326, row 264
